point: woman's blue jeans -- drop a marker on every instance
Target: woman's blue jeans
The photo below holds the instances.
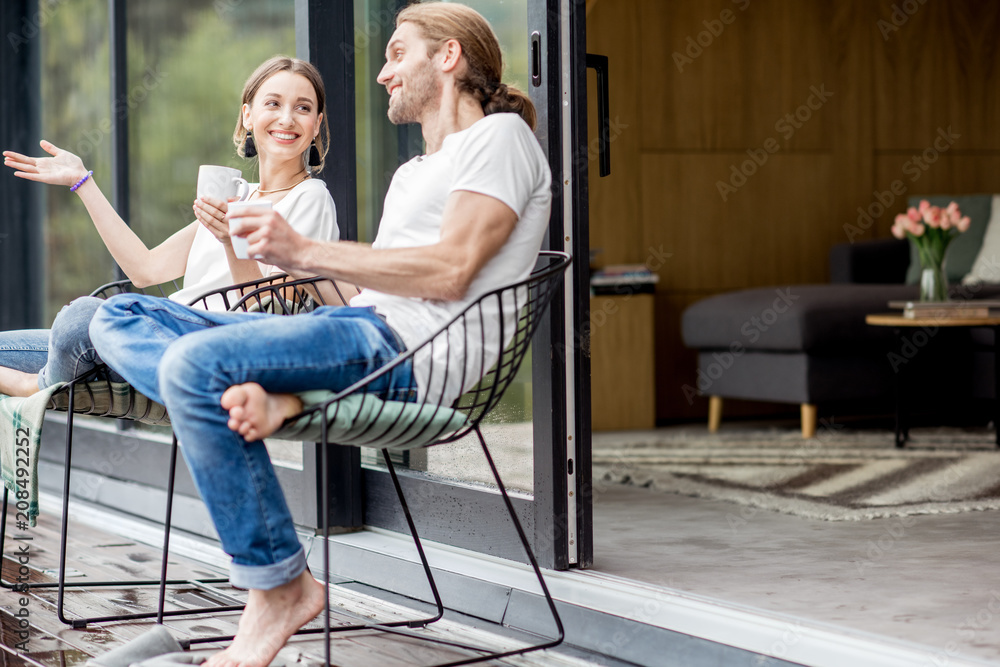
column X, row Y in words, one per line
column 59, row 354
column 187, row 358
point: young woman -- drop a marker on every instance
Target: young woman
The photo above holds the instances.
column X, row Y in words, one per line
column 282, row 123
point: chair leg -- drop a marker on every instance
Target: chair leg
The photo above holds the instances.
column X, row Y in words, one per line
column 809, row 413
column 165, row 557
column 714, row 413
column 61, row 585
column 325, row 511
column 9, row 585
column 395, row 627
column 64, row 528
column 416, row 541
column 561, row 633
column 325, row 526
column 160, row 613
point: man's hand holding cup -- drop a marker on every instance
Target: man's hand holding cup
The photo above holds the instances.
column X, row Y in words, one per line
column 263, row 233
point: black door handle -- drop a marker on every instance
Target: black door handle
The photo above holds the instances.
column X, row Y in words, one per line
column 536, row 59
column 600, row 65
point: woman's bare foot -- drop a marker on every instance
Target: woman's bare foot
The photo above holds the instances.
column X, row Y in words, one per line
column 17, row 383
column 256, row 414
column 270, row 618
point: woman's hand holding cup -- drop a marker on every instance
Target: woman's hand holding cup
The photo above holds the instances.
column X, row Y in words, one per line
column 63, row 168
column 245, row 218
column 211, row 212
column 217, row 187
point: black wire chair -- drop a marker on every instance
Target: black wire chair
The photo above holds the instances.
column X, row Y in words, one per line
column 89, row 394
column 491, row 338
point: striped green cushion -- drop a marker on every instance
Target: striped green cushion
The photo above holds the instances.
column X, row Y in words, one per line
column 364, row 420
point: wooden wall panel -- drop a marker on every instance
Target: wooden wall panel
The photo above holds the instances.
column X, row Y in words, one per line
column 765, row 233
column 615, row 219
column 939, row 67
column 761, row 67
column 786, row 63
column 622, row 353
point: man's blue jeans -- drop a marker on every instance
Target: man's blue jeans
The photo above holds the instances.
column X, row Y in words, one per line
column 59, row 354
column 187, row 358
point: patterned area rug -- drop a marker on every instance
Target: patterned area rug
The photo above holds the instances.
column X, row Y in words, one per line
column 842, row 474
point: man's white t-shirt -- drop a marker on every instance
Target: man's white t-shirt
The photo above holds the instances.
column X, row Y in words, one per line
column 308, row 208
column 497, row 156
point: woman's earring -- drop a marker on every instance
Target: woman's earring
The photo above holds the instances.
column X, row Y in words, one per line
column 249, row 147
column 314, row 158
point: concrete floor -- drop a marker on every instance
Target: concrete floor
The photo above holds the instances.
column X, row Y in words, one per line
column 932, row 580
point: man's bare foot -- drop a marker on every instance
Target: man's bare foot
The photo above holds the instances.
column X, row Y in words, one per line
column 17, row 383
column 256, row 414
column 270, row 618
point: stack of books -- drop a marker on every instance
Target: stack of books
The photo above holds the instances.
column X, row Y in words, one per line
column 939, row 310
column 623, row 279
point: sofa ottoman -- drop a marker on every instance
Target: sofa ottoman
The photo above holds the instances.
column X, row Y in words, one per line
column 809, row 344
column 803, row 344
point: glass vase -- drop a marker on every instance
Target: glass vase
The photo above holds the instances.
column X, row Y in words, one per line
column 933, row 283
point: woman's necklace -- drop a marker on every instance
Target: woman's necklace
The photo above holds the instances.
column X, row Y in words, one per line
column 267, row 192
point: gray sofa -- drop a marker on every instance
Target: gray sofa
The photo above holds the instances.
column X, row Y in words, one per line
column 809, row 344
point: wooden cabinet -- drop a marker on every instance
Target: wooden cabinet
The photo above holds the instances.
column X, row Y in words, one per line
column 622, row 368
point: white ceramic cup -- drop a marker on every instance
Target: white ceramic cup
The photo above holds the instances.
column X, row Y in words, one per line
column 237, row 208
column 221, row 183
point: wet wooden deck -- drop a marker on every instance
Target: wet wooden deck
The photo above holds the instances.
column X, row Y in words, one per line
column 96, row 555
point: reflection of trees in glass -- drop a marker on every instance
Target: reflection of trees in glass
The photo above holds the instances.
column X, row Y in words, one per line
column 185, row 94
column 187, row 63
column 75, row 108
column 510, row 22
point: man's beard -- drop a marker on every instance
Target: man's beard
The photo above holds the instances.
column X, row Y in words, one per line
column 424, row 90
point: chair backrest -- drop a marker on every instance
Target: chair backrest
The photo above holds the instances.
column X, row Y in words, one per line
column 278, row 293
column 488, row 341
column 96, row 395
column 522, row 308
column 126, row 286
column 230, row 296
column 291, row 296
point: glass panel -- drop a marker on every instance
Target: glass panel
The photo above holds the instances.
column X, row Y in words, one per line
column 381, row 148
column 377, row 138
column 187, row 64
column 76, row 116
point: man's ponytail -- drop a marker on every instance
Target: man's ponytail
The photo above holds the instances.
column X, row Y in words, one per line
column 508, row 99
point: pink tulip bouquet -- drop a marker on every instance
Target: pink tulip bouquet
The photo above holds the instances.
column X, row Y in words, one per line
column 931, row 229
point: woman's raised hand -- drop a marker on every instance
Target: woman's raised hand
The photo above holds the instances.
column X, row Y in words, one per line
column 63, row 168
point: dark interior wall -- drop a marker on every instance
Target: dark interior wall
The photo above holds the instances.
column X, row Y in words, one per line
column 747, row 133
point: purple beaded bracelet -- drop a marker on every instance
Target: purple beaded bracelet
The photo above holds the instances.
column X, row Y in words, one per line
column 81, row 181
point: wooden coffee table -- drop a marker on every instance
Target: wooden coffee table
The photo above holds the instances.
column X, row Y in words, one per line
column 901, row 324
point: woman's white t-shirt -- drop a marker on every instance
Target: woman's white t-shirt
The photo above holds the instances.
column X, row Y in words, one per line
column 308, row 208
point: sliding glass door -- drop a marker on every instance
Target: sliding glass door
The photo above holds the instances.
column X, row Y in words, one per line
column 539, row 435
column 131, row 92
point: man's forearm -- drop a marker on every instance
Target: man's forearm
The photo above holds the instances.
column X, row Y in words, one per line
column 428, row 272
